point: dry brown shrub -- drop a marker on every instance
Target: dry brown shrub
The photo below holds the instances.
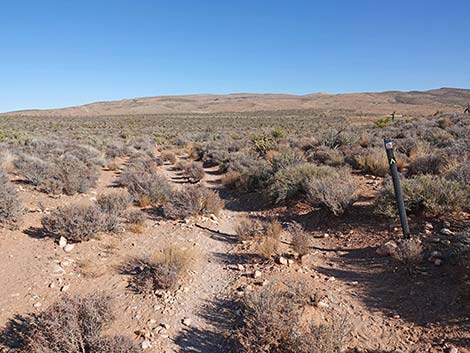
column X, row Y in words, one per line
column 272, row 323
column 191, row 201
column 168, row 156
column 75, row 222
column 268, row 247
column 74, row 324
column 248, row 228
column 162, row 270
column 409, row 253
column 300, row 239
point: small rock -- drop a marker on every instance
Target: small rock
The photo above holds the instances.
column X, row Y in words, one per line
column 282, row 260
column 446, row 231
column 62, row 242
column 37, row 305
column 186, row 321
column 58, row 270
column 65, row 288
column 290, row 262
column 428, row 226
column 240, row 267
column 213, row 217
column 52, row 285
column 146, row 344
column 68, row 247
column 438, row 262
column 453, row 350
column 165, row 326
column 257, row 274
column 387, row 249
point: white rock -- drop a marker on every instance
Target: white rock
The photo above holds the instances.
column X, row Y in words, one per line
column 62, row 242
column 240, row 267
column 186, row 321
column 282, row 260
column 257, row 274
column 438, row 262
column 446, row 231
column 146, row 344
column 68, row 247
column 37, row 305
column 65, row 288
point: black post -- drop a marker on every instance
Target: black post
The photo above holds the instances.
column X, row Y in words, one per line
column 396, row 185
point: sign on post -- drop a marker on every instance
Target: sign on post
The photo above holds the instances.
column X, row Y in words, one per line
column 397, row 187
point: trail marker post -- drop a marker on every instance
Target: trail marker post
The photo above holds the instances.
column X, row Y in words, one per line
column 397, row 187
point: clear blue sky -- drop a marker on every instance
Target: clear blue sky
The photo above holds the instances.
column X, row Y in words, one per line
column 69, row 52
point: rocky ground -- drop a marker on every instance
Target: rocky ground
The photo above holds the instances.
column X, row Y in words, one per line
column 389, row 311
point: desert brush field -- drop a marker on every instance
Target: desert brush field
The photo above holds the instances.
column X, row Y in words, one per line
column 236, row 223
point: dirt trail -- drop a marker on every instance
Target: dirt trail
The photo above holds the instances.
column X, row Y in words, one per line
column 200, row 304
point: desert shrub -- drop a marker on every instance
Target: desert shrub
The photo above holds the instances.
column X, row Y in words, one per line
column 272, row 323
column 263, row 143
column 327, row 156
column 191, row 201
column 135, row 217
column 146, row 185
column 288, row 184
column 10, row 206
column 194, row 172
column 286, row 159
column 383, row 122
column 64, row 174
column 74, row 324
column 373, row 161
column 113, row 205
column 163, row 270
column 136, row 220
column 300, row 242
column 430, row 164
column 74, row 222
column 460, row 172
column 248, row 228
column 267, row 247
column 331, row 188
column 409, row 253
column 429, row 195
column 169, row 156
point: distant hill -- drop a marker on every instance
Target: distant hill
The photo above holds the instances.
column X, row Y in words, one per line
column 407, row 103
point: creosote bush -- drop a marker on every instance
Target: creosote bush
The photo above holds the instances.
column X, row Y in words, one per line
column 10, row 206
column 74, row 222
column 75, row 325
column 191, row 201
column 163, row 270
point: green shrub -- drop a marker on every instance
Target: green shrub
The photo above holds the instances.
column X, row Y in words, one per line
column 429, row 195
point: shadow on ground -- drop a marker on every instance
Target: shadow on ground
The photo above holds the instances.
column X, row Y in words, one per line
column 219, row 317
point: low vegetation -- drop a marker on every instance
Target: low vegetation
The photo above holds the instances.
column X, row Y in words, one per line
column 272, row 323
column 75, row 222
column 10, row 206
column 192, row 201
column 161, row 271
column 74, row 324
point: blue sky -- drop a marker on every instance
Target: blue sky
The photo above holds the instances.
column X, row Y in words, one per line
column 61, row 53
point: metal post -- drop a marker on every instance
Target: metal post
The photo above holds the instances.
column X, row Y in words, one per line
column 396, row 185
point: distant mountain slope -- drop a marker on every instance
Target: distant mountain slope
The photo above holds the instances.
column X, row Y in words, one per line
column 414, row 102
